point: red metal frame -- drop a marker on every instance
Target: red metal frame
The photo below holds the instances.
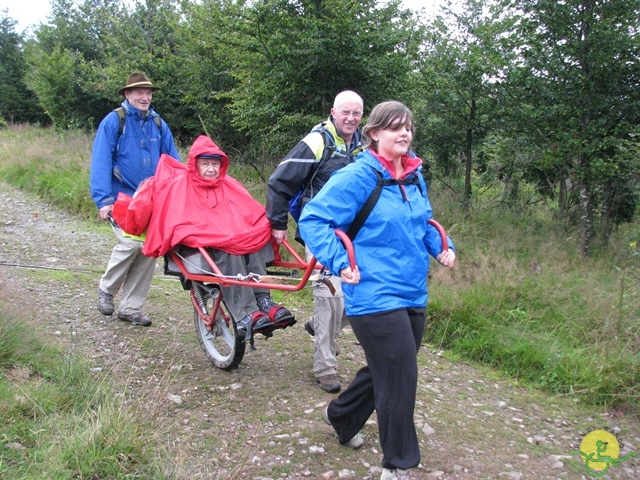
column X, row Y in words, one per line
column 226, row 280
column 308, row 268
column 210, row 319
column 352, row 254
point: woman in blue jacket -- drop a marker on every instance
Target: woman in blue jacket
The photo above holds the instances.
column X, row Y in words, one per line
column 386, row 292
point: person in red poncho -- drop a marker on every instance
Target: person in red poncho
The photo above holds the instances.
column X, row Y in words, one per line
column 198, row 205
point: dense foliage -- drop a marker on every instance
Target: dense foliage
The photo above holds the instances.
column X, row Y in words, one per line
column 526, row 102
column 17, row 102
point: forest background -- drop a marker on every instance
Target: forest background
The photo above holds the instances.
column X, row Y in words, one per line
column 527, row 120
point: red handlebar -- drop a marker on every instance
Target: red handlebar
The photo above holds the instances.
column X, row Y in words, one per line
column 443, row 234
column 348, row 245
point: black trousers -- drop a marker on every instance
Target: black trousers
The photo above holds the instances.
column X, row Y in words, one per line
column 387, row 384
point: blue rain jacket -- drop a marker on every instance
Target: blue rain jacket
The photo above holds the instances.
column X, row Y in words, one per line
column 120, row 164
column 393, row 246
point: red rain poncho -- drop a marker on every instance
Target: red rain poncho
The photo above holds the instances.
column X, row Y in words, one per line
column 190, row 210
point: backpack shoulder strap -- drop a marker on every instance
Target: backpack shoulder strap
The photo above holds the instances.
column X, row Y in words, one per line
column 329, row 148
column 122, row 116
column 366, row 209
column 329, row 144
column 364, row 212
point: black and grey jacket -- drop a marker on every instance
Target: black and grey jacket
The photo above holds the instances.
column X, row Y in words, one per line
column 304, row 167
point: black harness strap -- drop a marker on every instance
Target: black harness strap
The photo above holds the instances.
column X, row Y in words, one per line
column 366, row 209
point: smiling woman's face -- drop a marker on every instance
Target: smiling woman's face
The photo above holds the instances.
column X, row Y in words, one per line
column 395, row 140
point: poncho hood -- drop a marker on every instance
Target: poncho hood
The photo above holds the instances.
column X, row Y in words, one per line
column 205, row 146
column 197, row 212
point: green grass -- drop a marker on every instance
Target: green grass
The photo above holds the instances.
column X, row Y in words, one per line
column 57, row 421
column 572, row 327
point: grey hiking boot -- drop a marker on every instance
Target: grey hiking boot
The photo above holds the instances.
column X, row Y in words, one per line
column 136, row 317
column 105, row 302
column 308, row 326
column 356, row 441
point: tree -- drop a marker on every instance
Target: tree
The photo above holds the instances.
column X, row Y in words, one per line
column 83, row 55
column 461, row 74
column 65, row 62
column 579, row 80
column 290, row 59
column 17, row 103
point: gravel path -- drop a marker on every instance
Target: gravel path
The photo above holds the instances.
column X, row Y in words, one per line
column 262, row 421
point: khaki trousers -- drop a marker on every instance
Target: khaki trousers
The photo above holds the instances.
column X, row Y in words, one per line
column 328, row 319
column 130, row 270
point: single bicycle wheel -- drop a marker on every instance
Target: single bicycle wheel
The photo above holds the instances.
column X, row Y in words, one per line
column 222, row 345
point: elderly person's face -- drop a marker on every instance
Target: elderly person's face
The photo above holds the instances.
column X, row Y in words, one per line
column 208, row 167
column 347, row 118
column 139, row 98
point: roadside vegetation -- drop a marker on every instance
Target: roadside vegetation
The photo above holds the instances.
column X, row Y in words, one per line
column 62, row 422
column 522, row 298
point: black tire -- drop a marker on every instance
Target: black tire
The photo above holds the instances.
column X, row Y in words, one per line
column 222, row 345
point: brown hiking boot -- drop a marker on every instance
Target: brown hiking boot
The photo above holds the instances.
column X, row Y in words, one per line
column 329, row 383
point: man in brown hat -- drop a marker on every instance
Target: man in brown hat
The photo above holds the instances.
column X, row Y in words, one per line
column 126, row 150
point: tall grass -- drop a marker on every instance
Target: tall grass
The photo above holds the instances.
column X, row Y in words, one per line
column 57, row 421
column 524, row 301
column 521, row 298
column 52, row 164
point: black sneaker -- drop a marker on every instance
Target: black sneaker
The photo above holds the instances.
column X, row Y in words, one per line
column 105, row 302
column 257, row 322
column 280, row 316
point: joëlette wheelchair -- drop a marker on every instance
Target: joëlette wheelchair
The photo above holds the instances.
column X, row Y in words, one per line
column 215, row 326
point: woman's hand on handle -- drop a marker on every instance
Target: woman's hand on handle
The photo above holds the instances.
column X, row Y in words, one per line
column 447, row 258
column 347, row 275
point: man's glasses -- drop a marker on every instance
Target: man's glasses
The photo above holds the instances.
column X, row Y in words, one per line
column 347, row 113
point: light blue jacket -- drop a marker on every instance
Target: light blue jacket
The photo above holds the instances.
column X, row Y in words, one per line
column 120, row 164
column 393, row 246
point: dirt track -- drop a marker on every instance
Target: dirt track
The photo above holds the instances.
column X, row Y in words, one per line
column 263, row 420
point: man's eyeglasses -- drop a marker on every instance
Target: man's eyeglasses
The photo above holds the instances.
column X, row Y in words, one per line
column 347, row 113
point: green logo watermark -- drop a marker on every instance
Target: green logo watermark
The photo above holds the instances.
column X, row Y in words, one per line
column 600, row 450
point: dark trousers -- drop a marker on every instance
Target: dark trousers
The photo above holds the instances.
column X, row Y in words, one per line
column 387, row 384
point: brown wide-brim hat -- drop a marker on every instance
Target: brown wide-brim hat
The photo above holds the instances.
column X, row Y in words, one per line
column 138, row 80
